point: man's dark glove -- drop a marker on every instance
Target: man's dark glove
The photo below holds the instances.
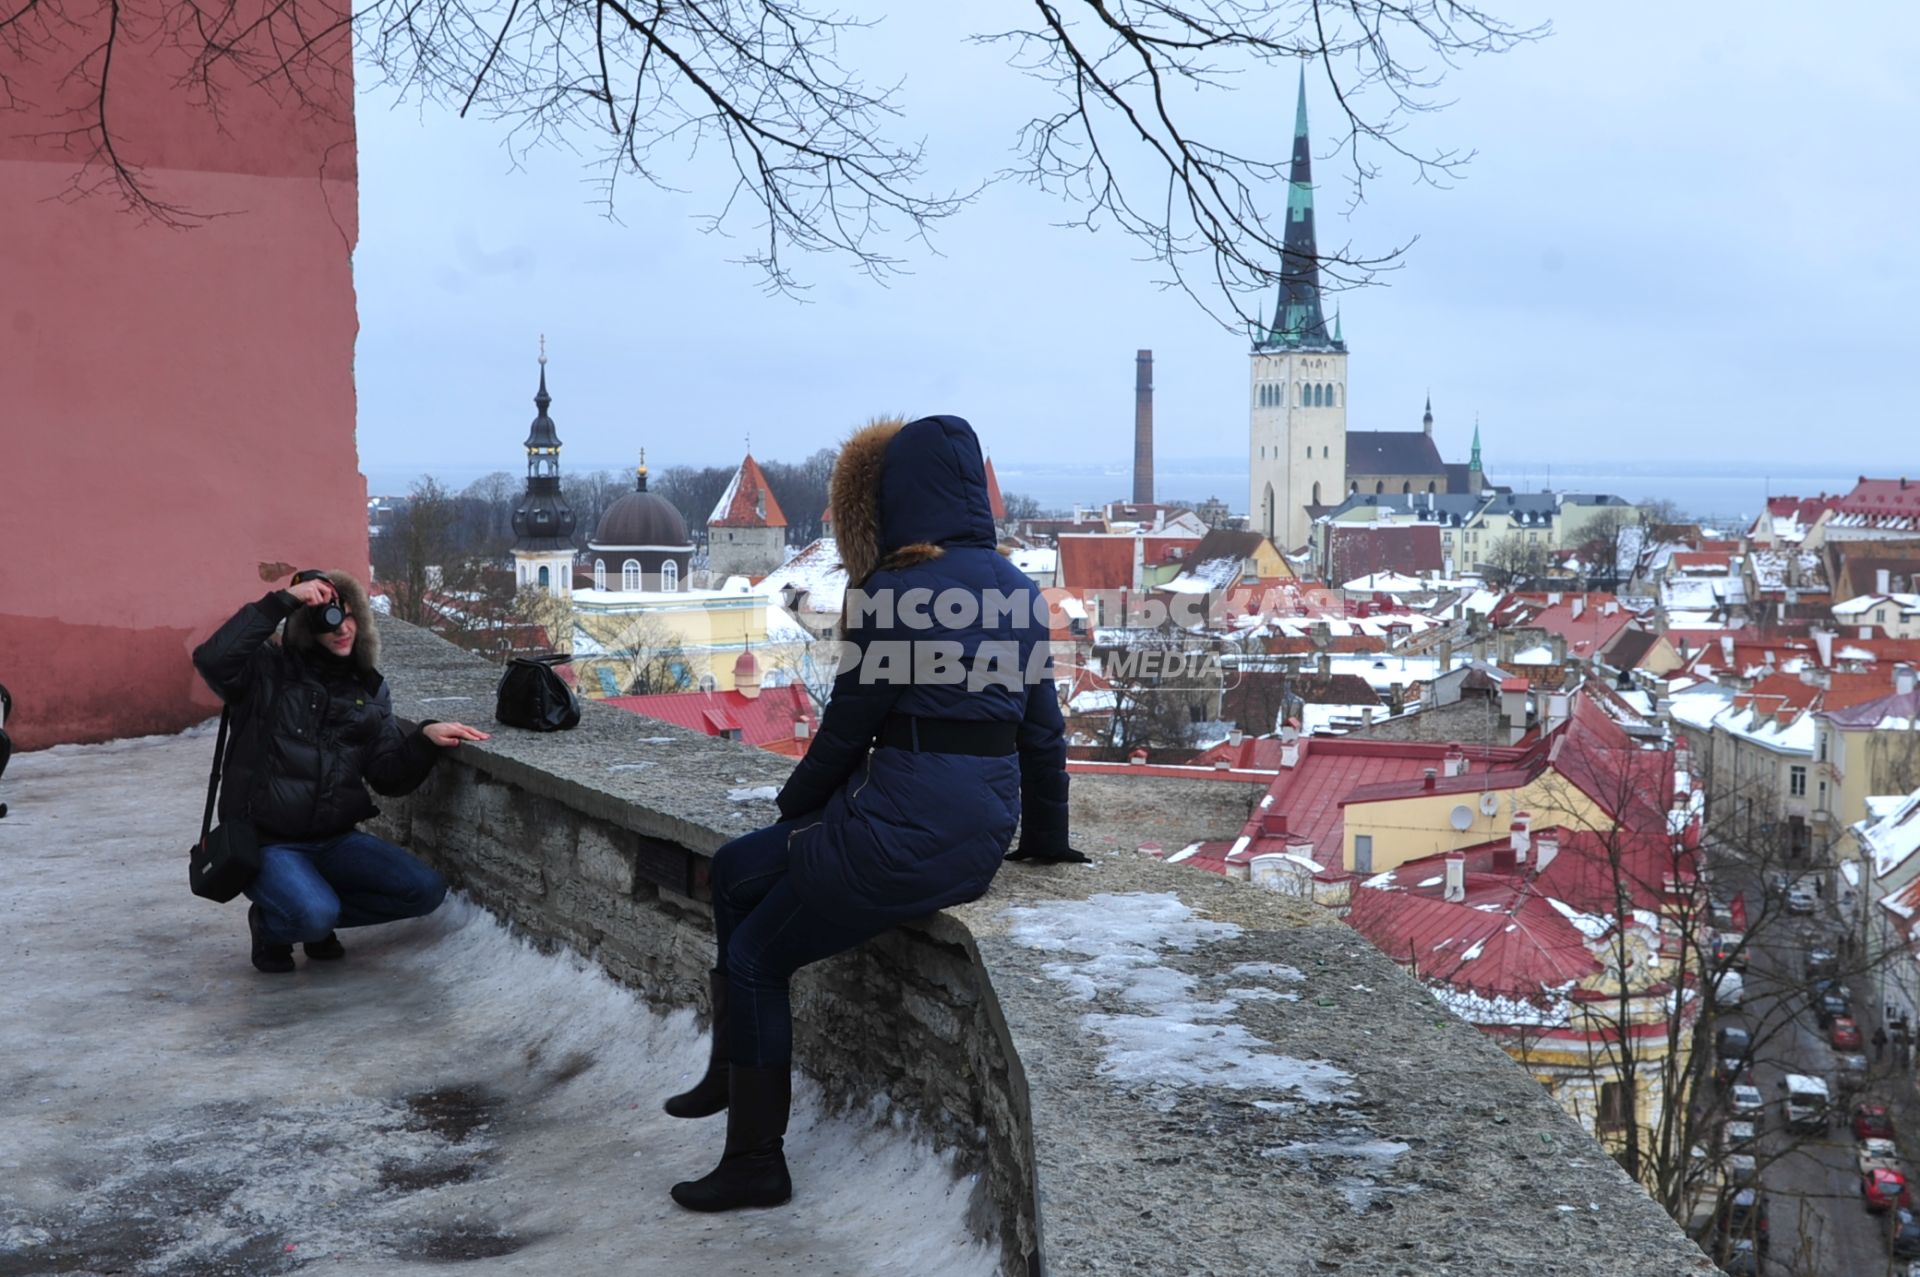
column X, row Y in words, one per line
column 1055, row 855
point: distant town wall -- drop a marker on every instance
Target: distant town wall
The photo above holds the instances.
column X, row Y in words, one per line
column 1149, row 1069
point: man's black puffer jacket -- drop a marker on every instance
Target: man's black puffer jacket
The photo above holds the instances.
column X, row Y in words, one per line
column 311, row 730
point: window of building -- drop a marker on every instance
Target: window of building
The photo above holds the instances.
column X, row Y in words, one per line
column 599, row 574
column 1616, row 1107
column 1363, row 853
column 1796, row 782
column 546, row 580
column 708, row 683
column 1820, row 747
column 1323, row 451
column 670, row 576
column 1309, row 452
column 630, row 575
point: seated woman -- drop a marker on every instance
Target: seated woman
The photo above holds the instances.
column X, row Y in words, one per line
column 942, row 732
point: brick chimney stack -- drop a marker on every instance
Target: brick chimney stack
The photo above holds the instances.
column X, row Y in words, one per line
column 1143, row 427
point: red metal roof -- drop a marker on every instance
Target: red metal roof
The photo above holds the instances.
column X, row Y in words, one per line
column 1095, row 562
column 766, row 720
column 1882, row 497
column 994, row 500
column 1354, row 552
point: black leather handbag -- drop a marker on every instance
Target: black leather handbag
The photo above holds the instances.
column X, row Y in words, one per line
column 226, row 858
column 533, row 696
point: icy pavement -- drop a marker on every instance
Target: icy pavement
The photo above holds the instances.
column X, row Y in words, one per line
column 446, row 1095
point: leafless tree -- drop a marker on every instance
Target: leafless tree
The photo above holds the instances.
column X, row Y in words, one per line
column 810, row 143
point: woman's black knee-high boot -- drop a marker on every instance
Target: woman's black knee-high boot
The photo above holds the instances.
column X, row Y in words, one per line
column 753, row 1170
column 709, row 1095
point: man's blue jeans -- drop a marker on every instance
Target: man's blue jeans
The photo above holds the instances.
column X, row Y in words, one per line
column 306, row 889
column 765, row 933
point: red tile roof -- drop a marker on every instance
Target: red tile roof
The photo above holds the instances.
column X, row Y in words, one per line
column 1354, row 552
column 748, row 501
column 766, row 720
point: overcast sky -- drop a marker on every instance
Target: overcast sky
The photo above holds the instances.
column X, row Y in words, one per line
column 1688, row 233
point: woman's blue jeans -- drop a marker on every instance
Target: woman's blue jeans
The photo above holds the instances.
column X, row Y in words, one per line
column 765, row 933
column 306, row 889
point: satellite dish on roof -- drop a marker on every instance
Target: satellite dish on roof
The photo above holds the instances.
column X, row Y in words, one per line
column 1463, row 817
column 1489, row 804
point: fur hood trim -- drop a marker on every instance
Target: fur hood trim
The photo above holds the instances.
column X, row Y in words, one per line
column 366, row 639
column 854, row 494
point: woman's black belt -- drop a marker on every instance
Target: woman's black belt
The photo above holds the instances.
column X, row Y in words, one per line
column 948, row 736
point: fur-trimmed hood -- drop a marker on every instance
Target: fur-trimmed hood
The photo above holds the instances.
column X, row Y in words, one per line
column 902, row 491
column 301, row 637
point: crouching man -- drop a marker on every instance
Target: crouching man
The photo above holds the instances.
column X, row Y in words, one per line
column 312, row 727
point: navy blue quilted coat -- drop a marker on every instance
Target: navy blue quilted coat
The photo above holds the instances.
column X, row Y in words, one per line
column 882, row 835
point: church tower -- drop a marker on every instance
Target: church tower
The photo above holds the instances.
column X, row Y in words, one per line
column 1297, row 450
column 543, row 522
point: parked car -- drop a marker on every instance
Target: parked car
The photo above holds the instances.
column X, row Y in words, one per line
column 1903, row 1237
column 1870, row 1122
column 1730, row 952
column 1741, row 1168
column 1821, row 962
column 1831, row 1003
column 1746, row 1101
column 1877, row 1154
column 1733, row 1053
column 1744, row 1217
column 1738, row 1134
column 1849, row 1071
column 1729, row 988
column 1843, row 1034
column 1801, row 899
column 1739, row 1257
column 1884, row 1189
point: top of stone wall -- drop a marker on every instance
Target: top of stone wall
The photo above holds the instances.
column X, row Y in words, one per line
column 1221, row 1080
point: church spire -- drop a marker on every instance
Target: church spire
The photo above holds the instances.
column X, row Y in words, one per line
column 1426, row 422
column 1299, row 322
column 1473, row 462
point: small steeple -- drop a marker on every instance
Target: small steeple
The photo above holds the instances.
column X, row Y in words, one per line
column 1473, row 462
column 542, row 434
column 1426, row 422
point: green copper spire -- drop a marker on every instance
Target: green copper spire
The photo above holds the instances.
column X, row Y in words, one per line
column 1337, row 340
column 1299, row 322
column 1473, row 462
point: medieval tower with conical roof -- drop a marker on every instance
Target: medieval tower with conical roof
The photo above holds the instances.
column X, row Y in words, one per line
column 1297, row 450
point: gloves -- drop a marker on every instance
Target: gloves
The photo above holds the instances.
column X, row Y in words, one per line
column 1060, row 855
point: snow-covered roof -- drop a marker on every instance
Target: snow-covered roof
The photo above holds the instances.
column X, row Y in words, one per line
column 1894, row 837
column 815, row 569
column 1037, row 561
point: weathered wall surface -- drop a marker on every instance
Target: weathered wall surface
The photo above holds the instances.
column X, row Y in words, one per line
column 180, row 400
column 1157, row 1070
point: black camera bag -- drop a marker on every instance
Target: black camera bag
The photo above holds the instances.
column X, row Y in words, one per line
column 226, row 858
column 533, row 696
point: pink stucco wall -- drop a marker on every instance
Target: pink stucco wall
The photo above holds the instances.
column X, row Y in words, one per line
column 179, row 403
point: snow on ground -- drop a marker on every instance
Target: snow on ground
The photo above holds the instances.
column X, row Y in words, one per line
column 445, row 1093
column 1171, row 1032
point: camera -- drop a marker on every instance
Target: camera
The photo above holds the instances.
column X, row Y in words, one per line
column 327, row 616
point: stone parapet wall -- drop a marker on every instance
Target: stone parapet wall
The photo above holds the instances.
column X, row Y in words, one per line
column 1153, row 1070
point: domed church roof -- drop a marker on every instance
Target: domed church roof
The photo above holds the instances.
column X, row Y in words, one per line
column 642, row 520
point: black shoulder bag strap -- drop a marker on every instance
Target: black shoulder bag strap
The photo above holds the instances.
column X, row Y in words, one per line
column 213, row 781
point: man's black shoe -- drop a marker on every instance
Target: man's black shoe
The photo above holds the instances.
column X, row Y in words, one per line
column 327, row 950
column 274, row 959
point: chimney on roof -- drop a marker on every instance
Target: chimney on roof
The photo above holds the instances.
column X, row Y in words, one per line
column 1553, row 598
column 1456, row 761
column 1883, row 580
column 1446, row 654
column 800, row 728
column 1137, row 757
column 1289, row 753
column 1427, row 778
column 1579, row 606
column 1726, row 649
column 1513, row 705
column 1903, row 680
column 1549, row 844
column 1520, row 834
column 1326, row 665
column 1366, row 716
column 1456, row 878
column 1143, row 426
column 1823, row 644
column 1235, row 737
column 1610, row 608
